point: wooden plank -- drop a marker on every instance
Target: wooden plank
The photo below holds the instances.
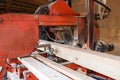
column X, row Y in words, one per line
column 103, row 63
column 62, row 69
column 42, row 71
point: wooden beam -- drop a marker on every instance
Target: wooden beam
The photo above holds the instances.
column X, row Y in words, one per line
column 2, row 7
column 15, row 7
column 22, row 10
column 25, row 5
column 62, row 69
column 33, row 2
column 18, row 10
column 8, row 5
column 42, row 71
column 103, row 63
column 22, row 7
column 2, row 4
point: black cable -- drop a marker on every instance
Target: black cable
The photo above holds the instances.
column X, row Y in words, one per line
column 103, row 5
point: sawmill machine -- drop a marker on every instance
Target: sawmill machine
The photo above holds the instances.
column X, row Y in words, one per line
column 20, row 33
column 86, row 34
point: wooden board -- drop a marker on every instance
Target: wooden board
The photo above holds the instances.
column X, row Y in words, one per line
column 42, row 71
column 62, row 69
column 103, row 63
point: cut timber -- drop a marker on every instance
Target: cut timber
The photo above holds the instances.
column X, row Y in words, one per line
column 42, row 71
column 103, row 63
column 62, row 69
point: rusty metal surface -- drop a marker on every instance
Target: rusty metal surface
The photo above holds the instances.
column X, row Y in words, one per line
column 60, row 7
column 49, row 20
column 18, row 35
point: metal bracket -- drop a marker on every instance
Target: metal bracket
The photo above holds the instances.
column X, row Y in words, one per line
column 47, row 47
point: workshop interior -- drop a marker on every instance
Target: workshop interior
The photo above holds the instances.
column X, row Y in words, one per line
column 59, row 40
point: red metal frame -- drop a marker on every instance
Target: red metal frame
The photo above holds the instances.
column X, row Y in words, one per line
column 50, row 20
column 60, row 7
column 25, row 24
column 18, row 35
column 3, row 65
